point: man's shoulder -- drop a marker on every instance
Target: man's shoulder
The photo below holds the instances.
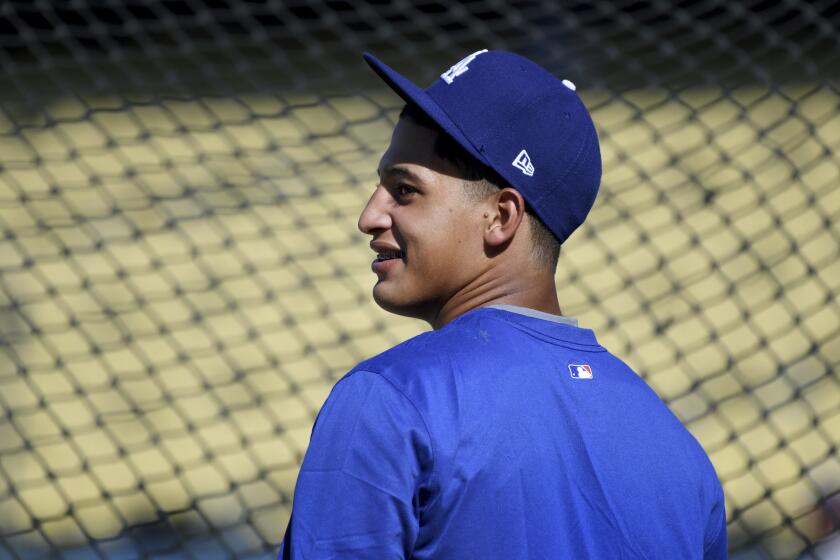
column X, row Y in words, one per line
column 427, row 357
column 420, row 352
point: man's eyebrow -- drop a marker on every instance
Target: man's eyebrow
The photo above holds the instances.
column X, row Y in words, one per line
column 398, row 172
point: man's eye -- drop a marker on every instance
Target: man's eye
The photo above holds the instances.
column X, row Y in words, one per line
column 404, row 190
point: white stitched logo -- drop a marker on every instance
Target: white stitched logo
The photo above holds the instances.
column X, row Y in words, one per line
column 523, row 163
column 459, row 68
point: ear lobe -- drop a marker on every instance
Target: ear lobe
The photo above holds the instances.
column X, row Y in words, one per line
column 494, row 236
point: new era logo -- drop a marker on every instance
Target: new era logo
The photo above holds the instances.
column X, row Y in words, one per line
column 460, row 67
column 580, row 371
column 523, row 163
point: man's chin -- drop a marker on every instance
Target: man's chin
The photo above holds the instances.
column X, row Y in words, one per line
column 398, row 304
column 387, row 301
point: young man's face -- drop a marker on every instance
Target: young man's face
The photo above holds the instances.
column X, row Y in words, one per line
column 428, row 236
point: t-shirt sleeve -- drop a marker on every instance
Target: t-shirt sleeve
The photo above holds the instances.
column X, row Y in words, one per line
column 357, row 491
column 716, row 546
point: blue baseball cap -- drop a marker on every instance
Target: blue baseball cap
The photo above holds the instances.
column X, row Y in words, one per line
column 521, row 121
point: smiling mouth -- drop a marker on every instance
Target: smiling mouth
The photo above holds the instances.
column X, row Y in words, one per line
column 389, row 255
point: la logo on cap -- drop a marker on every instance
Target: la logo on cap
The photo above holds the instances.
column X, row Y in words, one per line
column 460, row 67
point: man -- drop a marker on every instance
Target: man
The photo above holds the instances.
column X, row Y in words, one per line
column 507, row 431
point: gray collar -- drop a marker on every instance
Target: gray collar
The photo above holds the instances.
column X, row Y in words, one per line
column 534, row 313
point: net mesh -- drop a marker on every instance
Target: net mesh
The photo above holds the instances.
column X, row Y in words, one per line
column 182, row 281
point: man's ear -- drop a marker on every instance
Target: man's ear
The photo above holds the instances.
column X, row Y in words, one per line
column 504, row 217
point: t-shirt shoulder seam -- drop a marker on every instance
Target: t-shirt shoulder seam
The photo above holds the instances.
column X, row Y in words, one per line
column 345, row 472
column 411, row 402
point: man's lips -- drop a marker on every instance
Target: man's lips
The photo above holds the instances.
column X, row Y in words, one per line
column 386, row 251
column 380, row 265
column 388, row 255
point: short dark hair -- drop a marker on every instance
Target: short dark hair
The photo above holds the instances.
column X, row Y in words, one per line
column 480, row 181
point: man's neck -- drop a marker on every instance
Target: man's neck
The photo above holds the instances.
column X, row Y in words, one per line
column 535, row 292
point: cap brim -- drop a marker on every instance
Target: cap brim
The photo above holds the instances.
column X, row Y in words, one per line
column 411, row 93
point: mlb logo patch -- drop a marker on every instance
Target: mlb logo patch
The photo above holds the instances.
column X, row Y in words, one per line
column 580, row 371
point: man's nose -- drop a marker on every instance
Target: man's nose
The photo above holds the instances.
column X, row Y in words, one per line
column 375, row 215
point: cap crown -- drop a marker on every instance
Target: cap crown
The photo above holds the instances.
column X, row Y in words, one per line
column 524, row 123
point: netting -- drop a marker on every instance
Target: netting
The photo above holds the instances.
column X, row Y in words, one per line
column 182, row 281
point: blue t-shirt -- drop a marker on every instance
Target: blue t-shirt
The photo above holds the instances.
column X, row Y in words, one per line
column 502, row 435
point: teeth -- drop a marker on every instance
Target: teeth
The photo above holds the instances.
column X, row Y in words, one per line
column 386, row 255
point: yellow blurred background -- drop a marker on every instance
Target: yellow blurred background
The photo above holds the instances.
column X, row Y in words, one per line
column 182, row 282
column 182, row 302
